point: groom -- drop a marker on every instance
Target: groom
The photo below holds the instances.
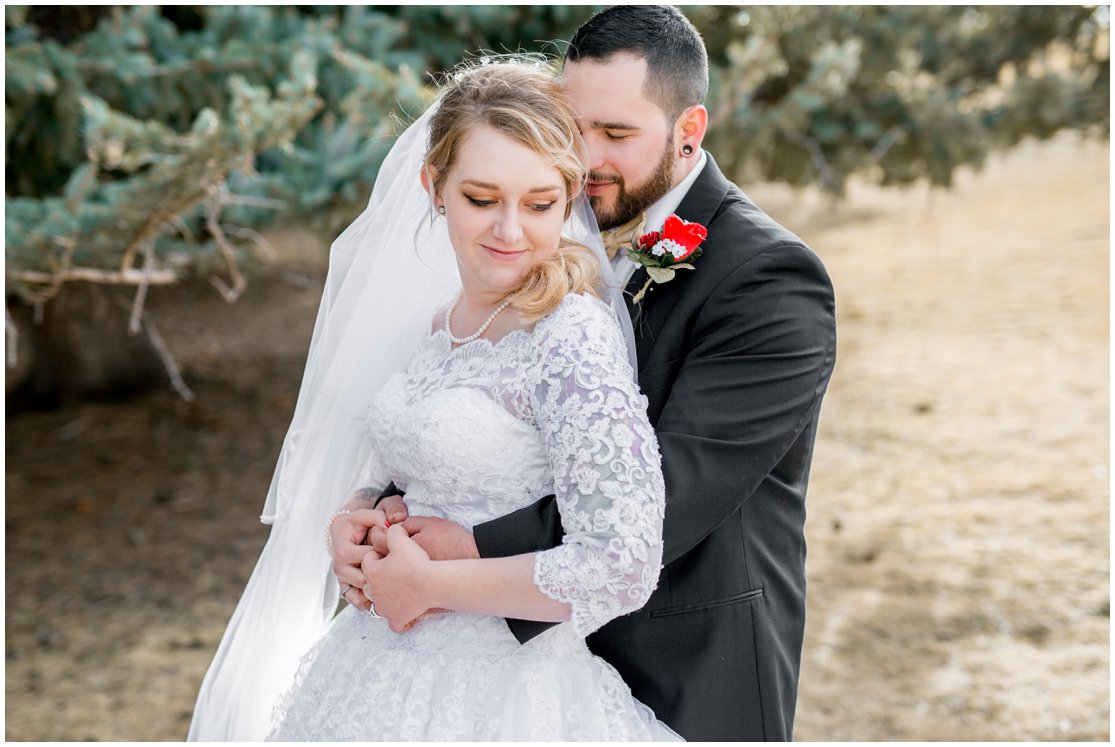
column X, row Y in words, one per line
column 734, row 358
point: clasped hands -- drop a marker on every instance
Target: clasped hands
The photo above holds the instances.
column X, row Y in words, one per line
column 384, row 554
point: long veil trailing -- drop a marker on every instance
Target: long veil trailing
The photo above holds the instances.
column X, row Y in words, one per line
column 389, row 272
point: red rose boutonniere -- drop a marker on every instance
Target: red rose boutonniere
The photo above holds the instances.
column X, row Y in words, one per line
column 666, row 251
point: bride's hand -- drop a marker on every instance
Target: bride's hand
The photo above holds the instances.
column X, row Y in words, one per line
column 395, row 582
column 347, row 534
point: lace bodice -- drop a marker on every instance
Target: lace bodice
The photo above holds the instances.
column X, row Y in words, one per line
column 474, row 432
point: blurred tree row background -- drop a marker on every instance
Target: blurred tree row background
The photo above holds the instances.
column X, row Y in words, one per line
column 149, row 144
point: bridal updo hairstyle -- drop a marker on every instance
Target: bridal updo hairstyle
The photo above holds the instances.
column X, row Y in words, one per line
column 523, row 101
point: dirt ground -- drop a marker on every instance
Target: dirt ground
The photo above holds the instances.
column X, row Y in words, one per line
column 959, row 522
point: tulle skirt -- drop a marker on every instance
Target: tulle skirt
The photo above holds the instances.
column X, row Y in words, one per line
column 457, row 677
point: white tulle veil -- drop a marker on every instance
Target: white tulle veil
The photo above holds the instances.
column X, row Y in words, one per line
column 388, row 274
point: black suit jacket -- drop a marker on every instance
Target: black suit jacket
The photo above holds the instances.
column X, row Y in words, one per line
column 734, row 358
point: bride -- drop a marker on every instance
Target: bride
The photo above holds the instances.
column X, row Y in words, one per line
column 462, row 351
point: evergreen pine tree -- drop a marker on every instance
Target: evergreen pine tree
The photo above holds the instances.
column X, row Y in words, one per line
column 142, row 141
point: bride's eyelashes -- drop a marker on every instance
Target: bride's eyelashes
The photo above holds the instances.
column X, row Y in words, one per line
column 538, row 207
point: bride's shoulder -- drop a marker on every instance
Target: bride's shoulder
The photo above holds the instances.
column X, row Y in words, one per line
column 577, row 319
column 576, row 308
column 581, row 334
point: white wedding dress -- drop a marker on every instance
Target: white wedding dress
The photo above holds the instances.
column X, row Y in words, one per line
column 472, row 433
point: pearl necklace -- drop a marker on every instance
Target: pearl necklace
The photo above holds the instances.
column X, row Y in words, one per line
column 477, row 333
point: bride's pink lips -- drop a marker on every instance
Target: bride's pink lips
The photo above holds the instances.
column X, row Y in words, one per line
column 501, row 255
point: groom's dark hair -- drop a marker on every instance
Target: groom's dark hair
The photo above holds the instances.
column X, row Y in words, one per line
column 677, row 63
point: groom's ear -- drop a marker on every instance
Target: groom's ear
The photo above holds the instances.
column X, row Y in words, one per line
column 691, row 126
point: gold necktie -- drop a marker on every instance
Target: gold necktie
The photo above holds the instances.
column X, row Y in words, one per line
column 620, row 237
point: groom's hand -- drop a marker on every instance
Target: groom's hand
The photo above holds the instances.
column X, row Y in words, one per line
column 442, row 539
column 394, row 507
column 395, row 510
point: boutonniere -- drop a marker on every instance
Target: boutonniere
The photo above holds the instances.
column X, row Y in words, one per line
column 665, row 252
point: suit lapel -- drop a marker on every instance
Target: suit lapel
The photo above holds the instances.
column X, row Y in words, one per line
column 703, row 199
column 698, row 206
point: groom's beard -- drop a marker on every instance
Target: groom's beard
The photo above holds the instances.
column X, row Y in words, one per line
column 628, row 204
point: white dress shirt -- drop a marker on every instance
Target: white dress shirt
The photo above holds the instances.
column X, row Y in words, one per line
column 656, row 218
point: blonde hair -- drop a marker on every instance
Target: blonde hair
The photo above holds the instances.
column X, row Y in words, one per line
column 523, row 101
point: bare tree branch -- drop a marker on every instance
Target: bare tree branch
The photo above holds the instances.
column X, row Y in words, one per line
column 887, row 141
column 54, row 280
column 183, row 230
column 141, row 291
column 169, row 363
column 266, row 250
column 828, row 177
column 238, row 283
column 264, row 202
column 104, row 277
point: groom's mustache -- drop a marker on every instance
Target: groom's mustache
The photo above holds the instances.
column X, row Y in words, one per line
column 599, row 177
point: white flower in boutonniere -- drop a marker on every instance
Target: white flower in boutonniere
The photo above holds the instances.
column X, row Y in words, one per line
column 665, row 252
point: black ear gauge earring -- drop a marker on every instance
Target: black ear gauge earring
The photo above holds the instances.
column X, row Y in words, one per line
column 441, row 209
column 687, row 150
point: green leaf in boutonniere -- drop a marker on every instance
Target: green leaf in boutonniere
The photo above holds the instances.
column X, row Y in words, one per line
column 661, row 274
column 643, row 259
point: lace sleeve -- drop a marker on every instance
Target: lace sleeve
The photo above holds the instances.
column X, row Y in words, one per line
column 606, row 468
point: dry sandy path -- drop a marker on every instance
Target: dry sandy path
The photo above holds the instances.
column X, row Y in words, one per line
column 959, row 509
